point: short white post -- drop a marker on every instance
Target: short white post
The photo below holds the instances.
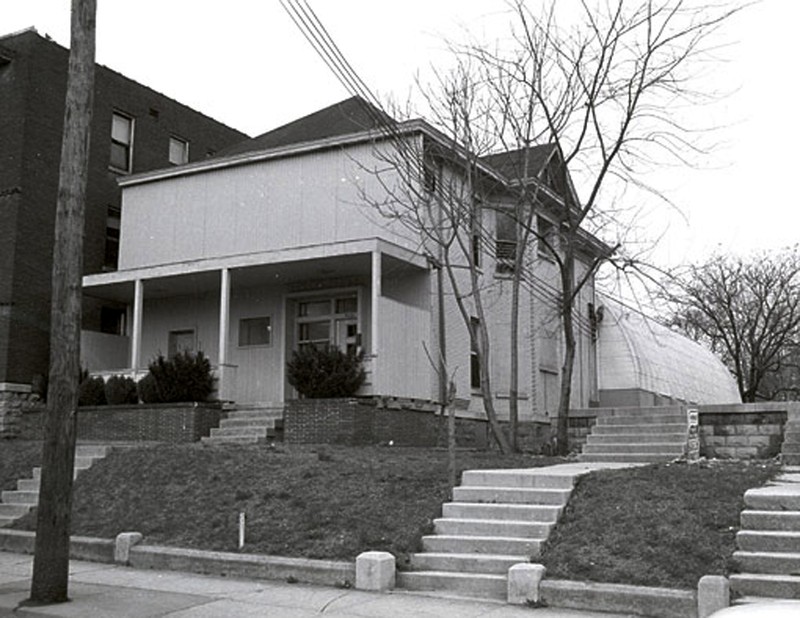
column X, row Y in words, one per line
column 523, row 583
column 375, row 570
column 241, row 530
column 123, row 544
column 713, row 593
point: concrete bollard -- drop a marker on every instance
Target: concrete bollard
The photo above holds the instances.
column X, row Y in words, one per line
column 523, row 583
column 123, row 544
column 375, row 570
column 713, row 593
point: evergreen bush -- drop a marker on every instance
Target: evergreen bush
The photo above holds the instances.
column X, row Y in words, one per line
column 92, row 392
column 121, row 390
column 183, row 377
column 326, row 372
column 148, row 389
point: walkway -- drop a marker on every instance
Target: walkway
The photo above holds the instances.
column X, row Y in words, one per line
column 108, row 591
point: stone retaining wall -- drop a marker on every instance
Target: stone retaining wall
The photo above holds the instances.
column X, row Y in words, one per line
column 743, row 431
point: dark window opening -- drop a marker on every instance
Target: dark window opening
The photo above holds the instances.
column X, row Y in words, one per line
column 474, row 358
column 113, row 226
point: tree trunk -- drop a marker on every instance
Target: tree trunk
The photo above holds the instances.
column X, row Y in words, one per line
column 51, row 558
column 567, row 320
column 513, row 389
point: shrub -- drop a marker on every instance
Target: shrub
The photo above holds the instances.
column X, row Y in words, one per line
column 148, row 389
column 92, row 392
column 121, row 390
column 319, row 373
column 183, row 377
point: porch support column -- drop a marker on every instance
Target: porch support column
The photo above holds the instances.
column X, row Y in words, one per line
column 224, row 377
column 136, row 331
column 375, row 334
column 224, row 314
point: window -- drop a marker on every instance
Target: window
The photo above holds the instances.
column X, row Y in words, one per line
column 546, row 233
column 113, row 222
column 474, row 359
column 112, row 321
column 178, row 151
column 181, row 341
column 255, row 331
column 329, row 321
column 505, row 243
column 121, row 142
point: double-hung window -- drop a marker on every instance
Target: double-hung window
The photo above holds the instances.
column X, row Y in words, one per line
column 178, row 151
column 121, row 143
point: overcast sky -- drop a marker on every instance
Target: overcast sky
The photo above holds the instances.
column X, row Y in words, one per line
column 244, row 63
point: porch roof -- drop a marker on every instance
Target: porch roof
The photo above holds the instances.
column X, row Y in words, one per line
column 284, row 266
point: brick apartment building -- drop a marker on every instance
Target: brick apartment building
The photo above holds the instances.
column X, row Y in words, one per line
column 134, row 129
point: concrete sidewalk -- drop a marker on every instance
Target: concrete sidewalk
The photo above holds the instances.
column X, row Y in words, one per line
column 107, row 591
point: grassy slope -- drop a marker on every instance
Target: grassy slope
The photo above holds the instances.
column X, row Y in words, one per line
column 316, row 503
column 17, row 460
column 665, row 525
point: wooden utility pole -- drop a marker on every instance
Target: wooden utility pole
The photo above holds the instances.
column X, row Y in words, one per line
column 51, row 559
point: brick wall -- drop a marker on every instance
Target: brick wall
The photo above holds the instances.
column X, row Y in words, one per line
column 367, row 421
column 169, row 422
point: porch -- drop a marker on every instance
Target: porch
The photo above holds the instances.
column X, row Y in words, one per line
column 247, row 314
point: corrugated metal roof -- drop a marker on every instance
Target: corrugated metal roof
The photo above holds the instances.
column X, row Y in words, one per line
column 636, row 352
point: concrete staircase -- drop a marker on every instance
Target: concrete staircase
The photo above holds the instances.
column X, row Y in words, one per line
column 249, row 424
column 790, row 452
column 497, row 518
column 768, row 557
column 16, row 503
column 644, row 435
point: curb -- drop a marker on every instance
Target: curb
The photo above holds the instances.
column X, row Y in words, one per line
column 619, row 598
column 255, row 566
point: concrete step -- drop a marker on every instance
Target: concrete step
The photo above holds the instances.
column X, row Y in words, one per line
column 222, row 440
column 508, row 495
column 656, row 429
column 483, row 545
column 6, row 521
column 773, row 498
column 14, row 510
column 778, row 563
column 486, row 527
column 760, row 585
column 515, row 478
column 505, row 512
column 464, row 563
column 642, row 420
column 247, row 422
column 770, row 520
column 97, row 451
column 768, row 541
column 28, row 485
column 20, row 497
column 274, row 413
column 676, row 449
column 481, row 585
column 238, row 431
column 627, row 457
column 635, row 438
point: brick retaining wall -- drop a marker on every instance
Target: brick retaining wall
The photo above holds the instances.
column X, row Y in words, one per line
column 367, row 421
column 168, row 422
column 743, row 431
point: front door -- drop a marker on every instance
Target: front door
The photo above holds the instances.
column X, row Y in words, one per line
column 347, row 335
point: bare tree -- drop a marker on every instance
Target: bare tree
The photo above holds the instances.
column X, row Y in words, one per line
column 604, row 92
column 49, row 583
column 747, row 310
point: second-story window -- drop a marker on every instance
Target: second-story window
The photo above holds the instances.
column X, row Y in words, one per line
column 121, row 142
column 178, row 151
column 113, row 221
column 505, row 243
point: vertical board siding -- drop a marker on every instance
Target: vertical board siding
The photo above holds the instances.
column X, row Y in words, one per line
column 305, row 200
